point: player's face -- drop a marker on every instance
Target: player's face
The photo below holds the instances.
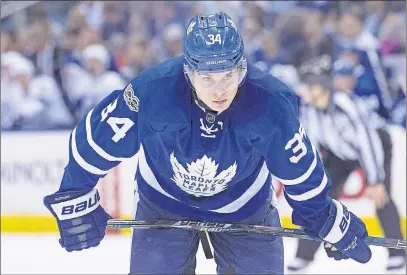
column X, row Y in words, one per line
column 94, row 66
column 349, row 26
column 217, row 90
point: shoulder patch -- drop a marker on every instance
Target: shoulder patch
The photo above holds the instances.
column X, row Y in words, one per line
column 131, row 99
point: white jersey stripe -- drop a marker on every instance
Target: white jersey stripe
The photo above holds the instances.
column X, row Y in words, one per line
column 311, row 193
column 78, row 158
column 249, row 194
column 148, row 175
column 304, row 176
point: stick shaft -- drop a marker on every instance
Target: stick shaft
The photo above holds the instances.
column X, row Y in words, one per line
column 234, row 227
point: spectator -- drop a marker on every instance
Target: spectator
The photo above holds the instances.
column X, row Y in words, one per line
column 301, row 37
column 76, row 19
column 44, row 48
column 316, row 54
column 269, row 52
column 392, row 37
column 173, row 37
column 113, row 21
column 290, row 30
column 375, row 13
column 138, row 56
column 350, row 77
column 251, row 30
column 163, row 14
column 398, row 7
column 139, row 25
column 350, row 35
column 7, row 42
column 48, row 56
column 93, row 13
column 88, row 37
column 88, row 85
column 168, row 42
column 270, row 47
column 287, row 74
column 7, row 99
column 34, row 101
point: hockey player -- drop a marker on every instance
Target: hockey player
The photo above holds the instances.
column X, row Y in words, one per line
column 210, row 131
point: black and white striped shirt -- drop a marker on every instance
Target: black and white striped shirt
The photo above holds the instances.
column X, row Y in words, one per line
column 345, row 130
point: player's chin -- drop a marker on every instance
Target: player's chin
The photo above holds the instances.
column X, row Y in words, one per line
column 221, row 105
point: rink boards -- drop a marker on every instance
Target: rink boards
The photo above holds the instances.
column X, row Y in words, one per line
column 32, row 164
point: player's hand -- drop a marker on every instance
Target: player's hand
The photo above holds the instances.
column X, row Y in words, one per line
column 81, row 220
column 377, row 194
column 344, row 233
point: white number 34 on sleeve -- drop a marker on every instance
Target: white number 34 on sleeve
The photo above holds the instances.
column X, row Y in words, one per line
column 114, row 122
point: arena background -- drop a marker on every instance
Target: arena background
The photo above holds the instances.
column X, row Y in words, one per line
column 57, row 39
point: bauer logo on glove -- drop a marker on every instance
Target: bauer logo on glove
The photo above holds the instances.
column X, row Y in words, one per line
column 78, row 206
column 80, row 217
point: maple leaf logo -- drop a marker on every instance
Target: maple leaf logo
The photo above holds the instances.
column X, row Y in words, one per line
column 200, row 179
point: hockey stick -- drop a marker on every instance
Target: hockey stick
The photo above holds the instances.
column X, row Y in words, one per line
column 234, row 227
column 205, row 244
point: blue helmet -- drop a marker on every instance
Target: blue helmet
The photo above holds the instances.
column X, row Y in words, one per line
column 212, row 43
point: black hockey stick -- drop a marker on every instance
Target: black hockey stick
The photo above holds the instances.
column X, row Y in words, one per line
column 234, row 227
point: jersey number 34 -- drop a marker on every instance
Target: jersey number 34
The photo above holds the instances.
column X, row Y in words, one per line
column 114, row 122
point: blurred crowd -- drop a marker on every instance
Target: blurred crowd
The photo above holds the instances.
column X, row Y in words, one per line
column 59, row 58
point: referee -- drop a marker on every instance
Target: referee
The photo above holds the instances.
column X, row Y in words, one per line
column 346, row 141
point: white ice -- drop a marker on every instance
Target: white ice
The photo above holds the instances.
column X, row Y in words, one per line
column 42, row 254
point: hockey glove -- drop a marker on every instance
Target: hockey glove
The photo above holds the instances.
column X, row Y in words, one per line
column 343, row 233
column 80, row 218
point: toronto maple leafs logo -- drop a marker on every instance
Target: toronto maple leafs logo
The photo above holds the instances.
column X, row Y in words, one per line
column 200, row 179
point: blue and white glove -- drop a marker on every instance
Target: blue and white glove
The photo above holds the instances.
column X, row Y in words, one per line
column 343, row 233
column 81, row 220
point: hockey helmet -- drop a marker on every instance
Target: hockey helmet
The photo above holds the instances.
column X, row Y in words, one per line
column 212, row 43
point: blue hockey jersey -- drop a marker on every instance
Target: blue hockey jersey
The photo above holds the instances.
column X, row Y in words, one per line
column 202, row 165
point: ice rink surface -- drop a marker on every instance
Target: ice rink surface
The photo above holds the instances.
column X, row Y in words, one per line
column 42, row 254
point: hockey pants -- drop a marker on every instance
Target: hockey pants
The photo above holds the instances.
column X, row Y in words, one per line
column 173, row 251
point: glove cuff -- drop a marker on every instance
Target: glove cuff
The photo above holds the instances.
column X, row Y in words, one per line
column 337, row 223
column 77, row 207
